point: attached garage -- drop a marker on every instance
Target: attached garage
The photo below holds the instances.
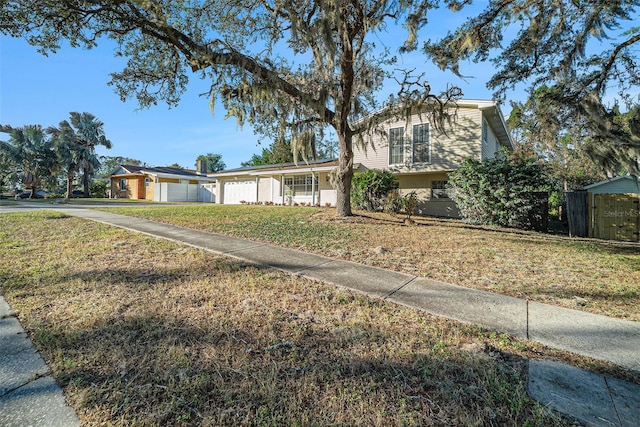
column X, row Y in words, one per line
column 280, row 184
column 234, row 192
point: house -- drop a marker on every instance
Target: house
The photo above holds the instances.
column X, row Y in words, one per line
column 161, row 184
column 284, row 184
column 419, row 155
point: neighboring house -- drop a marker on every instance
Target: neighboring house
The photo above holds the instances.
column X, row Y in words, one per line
column 161, row 184
column 413, row 150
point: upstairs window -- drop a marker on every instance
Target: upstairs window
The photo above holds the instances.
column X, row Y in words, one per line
column 421, row 151
column 396, row 146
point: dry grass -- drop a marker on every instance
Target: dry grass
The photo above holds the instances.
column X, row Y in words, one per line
column 589, row 275
column 140, row 331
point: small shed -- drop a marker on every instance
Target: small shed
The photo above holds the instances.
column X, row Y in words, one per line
column 614, row 209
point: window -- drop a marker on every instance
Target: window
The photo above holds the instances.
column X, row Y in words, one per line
column 300, row 185
column 396, row 146
column 147, row 181
column 421, row 152
column 123, row 184
column 439, row 190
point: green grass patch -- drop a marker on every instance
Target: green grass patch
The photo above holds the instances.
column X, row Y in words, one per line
column 289, row 226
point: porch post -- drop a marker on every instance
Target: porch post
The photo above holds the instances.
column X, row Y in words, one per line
column 257, row 189
column 313, row 188
column 271, row 189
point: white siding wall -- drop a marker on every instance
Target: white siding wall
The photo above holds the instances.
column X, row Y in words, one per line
column 264, row 189
column 491, row 146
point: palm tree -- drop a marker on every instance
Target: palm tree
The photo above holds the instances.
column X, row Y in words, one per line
column 8, row 170
column 67, row 150
column 29, row 148
column 89, row 133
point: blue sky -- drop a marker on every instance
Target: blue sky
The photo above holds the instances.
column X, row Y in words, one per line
column 35, row 89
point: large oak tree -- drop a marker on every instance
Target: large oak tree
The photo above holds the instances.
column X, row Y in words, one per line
column 585, row 52
column 290, row 68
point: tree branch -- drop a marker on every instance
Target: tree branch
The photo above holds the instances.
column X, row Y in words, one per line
column 612, row 59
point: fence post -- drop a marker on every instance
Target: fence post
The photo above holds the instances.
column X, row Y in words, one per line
column 577, row 213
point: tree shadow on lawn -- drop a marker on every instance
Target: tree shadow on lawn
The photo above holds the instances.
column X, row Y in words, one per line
column 153, row 369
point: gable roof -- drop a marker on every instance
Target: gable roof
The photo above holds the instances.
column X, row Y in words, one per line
column 494, row 116
column 492, row 113
column 161, row 171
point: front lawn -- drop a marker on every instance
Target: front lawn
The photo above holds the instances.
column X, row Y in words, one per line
column 142, row 331
column 589, row 275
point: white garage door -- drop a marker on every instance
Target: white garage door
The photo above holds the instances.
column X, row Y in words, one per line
column 236, row 191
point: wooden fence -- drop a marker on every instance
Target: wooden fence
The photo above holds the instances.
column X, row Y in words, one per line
column 614, row 216
column 578, row 213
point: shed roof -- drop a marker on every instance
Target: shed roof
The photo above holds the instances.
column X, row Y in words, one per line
column 610, row 180
column 624, row 184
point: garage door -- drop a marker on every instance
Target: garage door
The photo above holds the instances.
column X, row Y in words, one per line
column 236, row 191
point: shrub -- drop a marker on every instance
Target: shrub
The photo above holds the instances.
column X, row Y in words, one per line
column 370, row 189
column 504, row 191
column 396, row 203
column 409, row 203
column 98, row 189
column 393, row 203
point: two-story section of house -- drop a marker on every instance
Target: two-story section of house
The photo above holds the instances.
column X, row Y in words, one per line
column 422, row 157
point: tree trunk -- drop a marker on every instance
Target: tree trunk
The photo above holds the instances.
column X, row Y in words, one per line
column 85, row 182
column 69, row 184
column 345, row 174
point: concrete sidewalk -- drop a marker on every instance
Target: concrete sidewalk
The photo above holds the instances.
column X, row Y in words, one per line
column 590, row 398
column 29, row 396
